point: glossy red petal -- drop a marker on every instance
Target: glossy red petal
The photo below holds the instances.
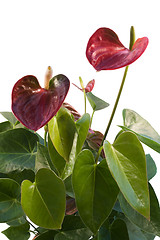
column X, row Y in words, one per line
column 105, row 51
column 34, row 106
column 90, row 86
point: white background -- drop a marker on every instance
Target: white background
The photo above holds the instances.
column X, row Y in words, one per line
column 35, row 34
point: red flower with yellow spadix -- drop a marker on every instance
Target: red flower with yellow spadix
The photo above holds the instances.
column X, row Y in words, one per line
column 33, row 105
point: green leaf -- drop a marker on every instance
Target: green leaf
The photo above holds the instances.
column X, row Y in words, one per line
column 18, row 233
column 10, row 206
column 134, row 232
column 104, row 231
column 119, row 230
column 151, row 226
column 44, row 200
column 72, row 223
column 17, row 150
column 47, row 235
column 82, row 127
column 96, row 103
column 43, row 159
column 89, row 181
column 20, row 176
column 5, row 126
column 62, row 130
column 17, row 222
column 144, row 131
column 151, row 167
column 127, row 163
column 57, row 160
column 68, row 186
column 10, row 117
column 78, row 234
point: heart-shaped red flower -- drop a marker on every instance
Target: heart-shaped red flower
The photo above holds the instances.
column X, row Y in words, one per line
column 105, row 51
column 34, row 106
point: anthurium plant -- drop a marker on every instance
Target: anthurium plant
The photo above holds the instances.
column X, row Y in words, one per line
column 73, row 183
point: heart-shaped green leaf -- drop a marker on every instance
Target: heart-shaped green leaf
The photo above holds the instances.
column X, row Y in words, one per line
column 44, row 200
column 18, row 233
column 95, row 190
column 151, row 226
column 17, row 150
column 127, row 163
column 10, row 206
column 144, row 131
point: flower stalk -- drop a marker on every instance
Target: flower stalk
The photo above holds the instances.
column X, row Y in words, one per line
column 132, row 40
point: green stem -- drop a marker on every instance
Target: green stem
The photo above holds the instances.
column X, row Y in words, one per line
column 92, row 117
column 115, row 105
column 33, row 226
column 82, row 85
column 45, row 134
column 45, row 139
column 85, row 104
column 98, row 154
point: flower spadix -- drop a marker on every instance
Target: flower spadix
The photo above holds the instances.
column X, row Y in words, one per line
column 33, row 105
column 106, row 52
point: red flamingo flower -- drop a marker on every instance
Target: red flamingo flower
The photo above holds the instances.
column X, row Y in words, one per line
column 34, row 106
column 106, row 52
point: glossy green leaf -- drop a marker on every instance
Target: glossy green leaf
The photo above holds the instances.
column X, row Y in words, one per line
column 96, row 103
column 62, row 130
column 47, row 235
column 151, row 167
column 57, row 160
column 134, row 232
column 95, row 190
column 17, row 150
column 10, row 206
column 151, row 226
column 10, row 117
column 144, row 131
column 127, row 163
column 4, row 126
column 104, row 231
column 17, row 222
column 20, row 176
column 18, row 233
column 43, row 159
column 72, row 223
column 119, row 230
column 44, row 200
column 78, row 234
column 82, row 127
column 68, row 186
